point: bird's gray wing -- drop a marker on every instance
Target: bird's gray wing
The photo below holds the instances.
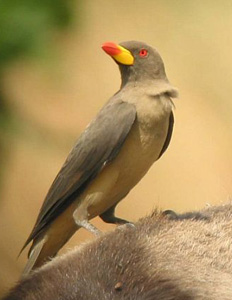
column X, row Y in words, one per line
column 169, row 134
column 97, row 146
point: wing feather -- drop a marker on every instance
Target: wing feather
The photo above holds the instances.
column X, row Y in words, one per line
column 95, row 148
column 169, row 134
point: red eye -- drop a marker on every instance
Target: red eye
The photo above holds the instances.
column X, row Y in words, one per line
column 143, row 52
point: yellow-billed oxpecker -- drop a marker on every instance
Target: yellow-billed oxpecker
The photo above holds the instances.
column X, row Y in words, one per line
column 131, row 131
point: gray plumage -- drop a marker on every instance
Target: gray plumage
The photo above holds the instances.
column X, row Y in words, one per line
column 95, row 148
column 115, row 151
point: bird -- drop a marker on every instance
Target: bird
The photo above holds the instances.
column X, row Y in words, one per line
column 131, row 131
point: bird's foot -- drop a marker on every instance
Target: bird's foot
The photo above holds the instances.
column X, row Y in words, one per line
column 126, row 225
column 170, row 214
column 185, row 216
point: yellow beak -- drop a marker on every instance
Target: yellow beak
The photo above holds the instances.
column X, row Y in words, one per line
column 118, row 53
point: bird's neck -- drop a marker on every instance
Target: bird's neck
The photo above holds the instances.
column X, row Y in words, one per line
column 131, row 76
column 150, row 87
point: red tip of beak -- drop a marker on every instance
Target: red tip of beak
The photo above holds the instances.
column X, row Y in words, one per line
column 111, row 48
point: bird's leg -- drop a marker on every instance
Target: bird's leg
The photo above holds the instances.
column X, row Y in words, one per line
column 88, row 226
column 81, row 220
column 109, row 217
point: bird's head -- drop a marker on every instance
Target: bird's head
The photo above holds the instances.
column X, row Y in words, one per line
column 137, row 61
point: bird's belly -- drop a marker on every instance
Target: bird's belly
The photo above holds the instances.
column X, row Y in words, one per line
column 141, row 148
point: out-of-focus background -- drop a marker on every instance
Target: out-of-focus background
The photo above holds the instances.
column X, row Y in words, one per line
column 54, row 78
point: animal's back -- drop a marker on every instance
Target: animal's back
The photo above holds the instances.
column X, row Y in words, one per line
column 159, row 258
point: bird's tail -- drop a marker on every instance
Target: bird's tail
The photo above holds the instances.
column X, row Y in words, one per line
column 45, row 247
column 33, row 257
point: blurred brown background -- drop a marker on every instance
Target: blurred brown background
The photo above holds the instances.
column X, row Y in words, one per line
column 51, row 89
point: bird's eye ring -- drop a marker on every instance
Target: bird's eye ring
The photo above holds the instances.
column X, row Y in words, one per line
column 143, row 52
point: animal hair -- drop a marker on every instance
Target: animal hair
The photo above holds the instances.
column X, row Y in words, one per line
column 188, row 257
